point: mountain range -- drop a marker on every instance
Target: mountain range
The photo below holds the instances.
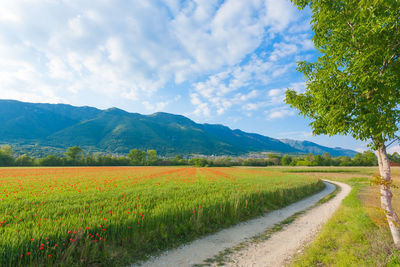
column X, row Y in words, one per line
column 58, row 126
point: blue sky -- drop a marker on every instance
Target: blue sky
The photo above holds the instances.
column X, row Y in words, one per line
column 226, row 62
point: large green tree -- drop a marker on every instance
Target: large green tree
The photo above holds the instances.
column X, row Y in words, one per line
column 74, row 154
column 354, row 86
column 137, row 157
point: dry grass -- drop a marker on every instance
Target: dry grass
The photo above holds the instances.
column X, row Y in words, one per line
column 370, row 197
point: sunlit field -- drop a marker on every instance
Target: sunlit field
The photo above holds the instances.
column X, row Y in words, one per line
column 118, row 215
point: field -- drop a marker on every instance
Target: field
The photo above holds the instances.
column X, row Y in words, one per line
column 118, row 215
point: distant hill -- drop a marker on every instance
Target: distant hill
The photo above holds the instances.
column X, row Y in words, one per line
column 310, row 147
column 58, row 126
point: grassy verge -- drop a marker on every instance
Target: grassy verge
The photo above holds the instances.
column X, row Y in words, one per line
column 351, row 238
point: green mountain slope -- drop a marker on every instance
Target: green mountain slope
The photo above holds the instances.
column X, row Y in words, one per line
column 310, row 147
column 117, row 131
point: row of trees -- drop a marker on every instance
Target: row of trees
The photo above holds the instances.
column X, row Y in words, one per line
column 75, row 156
column 367, row 158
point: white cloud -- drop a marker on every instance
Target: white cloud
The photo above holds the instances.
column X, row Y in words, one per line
column 155, row 106
column 159, row 106
column 8, row 12
column 235, row 86
column 202, row 108
column 282, row 50
column 360, row 149
column 275, row 92
column 63, row 50
column 296, row 135
column 278, row 14
column 279, row 113
column 299, row 87
column 393, row 149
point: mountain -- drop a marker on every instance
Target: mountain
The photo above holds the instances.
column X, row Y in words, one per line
column 310, row 147
column 58, row 126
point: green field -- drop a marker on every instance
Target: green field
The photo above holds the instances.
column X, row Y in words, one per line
column 118, row 215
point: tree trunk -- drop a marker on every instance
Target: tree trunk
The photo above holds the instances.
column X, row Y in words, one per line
column 386, row 195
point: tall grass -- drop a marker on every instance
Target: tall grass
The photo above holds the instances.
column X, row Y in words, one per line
column 114, row 216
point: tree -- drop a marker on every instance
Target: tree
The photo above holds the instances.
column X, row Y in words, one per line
column 354, row 86
column 24, row 160
column 74, row 154
column 395, row 157
column 198, row 162
column 51, row 160
column 151, row 157
column 179, row 160
column 327, row 159
column 286, row 160
column 6, row 155
column 137, row 157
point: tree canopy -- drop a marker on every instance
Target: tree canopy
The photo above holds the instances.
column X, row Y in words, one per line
column 354, row 86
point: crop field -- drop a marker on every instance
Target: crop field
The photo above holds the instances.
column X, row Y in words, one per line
column 118, row 215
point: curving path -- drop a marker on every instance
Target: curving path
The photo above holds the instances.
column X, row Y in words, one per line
column 282, row 246
column 273, row 252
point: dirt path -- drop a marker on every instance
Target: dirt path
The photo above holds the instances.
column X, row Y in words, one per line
column 274, row 251
column 284, row 245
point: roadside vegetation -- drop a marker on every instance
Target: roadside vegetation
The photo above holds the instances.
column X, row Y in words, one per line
column 358, row 233
column 114, row 216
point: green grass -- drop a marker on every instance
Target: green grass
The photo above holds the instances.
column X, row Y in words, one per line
column 350, row 238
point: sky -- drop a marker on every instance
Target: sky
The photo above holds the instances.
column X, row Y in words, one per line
column 226, row 62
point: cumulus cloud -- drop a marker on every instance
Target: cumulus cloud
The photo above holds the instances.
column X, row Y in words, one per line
column 159, row 106
column 256, row 72
column 279, row 113
column 63, row 50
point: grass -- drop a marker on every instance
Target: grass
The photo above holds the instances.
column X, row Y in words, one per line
column 118, row 215
column 357, row 234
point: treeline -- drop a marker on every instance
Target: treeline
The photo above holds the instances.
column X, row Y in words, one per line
column 395, row 157
column 75, row 156
column 366, row 158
